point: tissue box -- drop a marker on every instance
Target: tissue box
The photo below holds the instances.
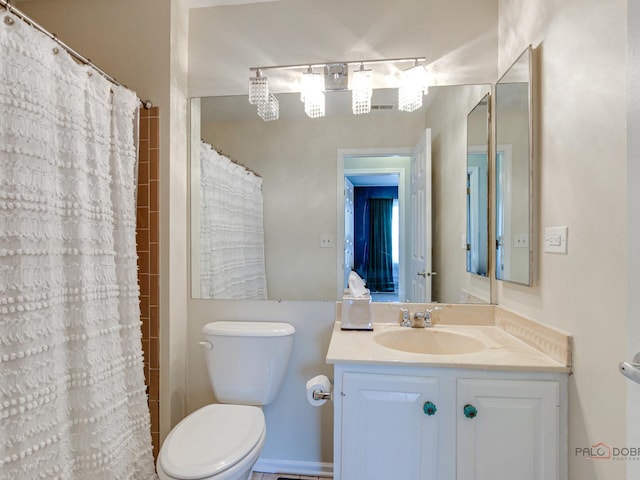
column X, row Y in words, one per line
column 356, row 313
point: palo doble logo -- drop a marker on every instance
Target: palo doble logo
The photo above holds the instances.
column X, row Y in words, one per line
column 600, row 451
column 603, row 451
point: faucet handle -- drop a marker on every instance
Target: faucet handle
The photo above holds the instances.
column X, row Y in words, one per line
column 405, row 321
column 426, row 319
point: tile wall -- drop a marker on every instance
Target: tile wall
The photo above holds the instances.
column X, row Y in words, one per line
column 149, row 261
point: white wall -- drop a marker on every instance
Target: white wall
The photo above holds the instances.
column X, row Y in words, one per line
column 582, row 184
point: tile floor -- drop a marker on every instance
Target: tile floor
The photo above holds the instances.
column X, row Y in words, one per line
column 275, row 476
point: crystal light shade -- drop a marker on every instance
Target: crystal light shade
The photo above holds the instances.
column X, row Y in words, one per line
column 312, row 94
column 361, row 91
column 258, row 89
column 413, row 87
column 269, row 110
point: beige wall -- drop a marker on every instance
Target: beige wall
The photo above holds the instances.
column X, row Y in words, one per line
column 582, row 184
column 143, row 44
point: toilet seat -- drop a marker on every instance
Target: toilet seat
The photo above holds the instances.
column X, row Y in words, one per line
column 212, row 440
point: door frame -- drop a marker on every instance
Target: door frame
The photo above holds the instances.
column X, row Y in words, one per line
column 343, row 153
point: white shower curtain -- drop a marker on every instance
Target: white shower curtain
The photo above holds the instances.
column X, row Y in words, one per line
column 72, row 395
column 232, row 263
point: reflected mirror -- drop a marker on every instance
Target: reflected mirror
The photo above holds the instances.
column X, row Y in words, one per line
column 295, row 162
column 478, row 189
column 513, row 173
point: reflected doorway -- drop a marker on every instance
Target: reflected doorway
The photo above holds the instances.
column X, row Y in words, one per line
column 377, row 167
column 372, row 227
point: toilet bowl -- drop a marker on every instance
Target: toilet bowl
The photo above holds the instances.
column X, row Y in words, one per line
column 247, row 362
column 216, row 442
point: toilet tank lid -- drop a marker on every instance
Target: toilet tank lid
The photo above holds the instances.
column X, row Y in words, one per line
column 248, row 329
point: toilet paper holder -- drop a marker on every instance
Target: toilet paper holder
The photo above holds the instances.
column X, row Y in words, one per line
column 320, row 395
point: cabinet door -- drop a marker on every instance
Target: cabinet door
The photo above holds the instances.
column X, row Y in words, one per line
column 514, row 433
column 386, row 433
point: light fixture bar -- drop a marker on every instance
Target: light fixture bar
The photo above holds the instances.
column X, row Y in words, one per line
column 352, row 62
column 414, row 84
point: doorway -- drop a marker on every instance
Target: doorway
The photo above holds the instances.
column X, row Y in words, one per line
column 372, row 171
column 373, row 218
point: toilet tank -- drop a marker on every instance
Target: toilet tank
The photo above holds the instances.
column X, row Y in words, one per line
column 247, row 361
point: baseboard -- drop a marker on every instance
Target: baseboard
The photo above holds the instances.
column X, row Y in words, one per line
column 294, row 467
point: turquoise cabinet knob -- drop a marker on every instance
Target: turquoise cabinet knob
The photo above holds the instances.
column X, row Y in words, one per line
column 470, row 411
column 429, row 408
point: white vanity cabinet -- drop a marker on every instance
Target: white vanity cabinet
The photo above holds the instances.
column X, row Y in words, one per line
column 507, row 429
column 410, row 423
column 389, row 426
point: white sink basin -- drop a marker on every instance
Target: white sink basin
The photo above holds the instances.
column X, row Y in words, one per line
column 428, row 341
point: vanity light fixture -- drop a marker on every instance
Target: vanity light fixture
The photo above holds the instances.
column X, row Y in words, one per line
column 269, row 110
column 413, row 85
column 258, row 89
column 312, row 94
column 361, row 91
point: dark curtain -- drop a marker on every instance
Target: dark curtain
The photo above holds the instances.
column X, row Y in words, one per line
column 380, row 262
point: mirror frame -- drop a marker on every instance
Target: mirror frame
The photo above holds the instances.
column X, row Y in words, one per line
column 531, row 87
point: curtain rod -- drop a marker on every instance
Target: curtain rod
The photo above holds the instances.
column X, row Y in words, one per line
column 228, row 157
column 6, row 4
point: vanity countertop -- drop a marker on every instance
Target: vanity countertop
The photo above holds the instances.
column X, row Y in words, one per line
column 503, row 351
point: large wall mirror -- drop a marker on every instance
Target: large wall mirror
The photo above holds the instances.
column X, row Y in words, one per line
column 514, row 173
column 300, row 169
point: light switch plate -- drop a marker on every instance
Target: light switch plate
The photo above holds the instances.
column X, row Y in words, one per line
column 555, row 239
column 521, row 240
column 326, row 240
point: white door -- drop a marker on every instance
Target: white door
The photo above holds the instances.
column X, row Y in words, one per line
column 420, row 221
column 348, row 229
column 388, row 431
column 507, row 429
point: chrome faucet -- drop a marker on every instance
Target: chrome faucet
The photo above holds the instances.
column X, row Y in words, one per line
column 418, row 319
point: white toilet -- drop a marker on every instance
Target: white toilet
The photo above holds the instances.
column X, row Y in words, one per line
column 247, row 362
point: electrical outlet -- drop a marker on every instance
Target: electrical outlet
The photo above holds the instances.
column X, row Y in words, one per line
column 326, row 240
column 555, row 239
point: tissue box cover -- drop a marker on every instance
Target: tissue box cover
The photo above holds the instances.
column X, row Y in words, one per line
column 356, row 313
